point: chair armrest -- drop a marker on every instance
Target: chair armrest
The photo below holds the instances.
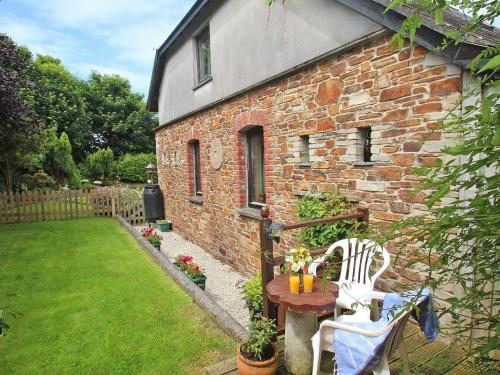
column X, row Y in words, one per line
column 349, row 328
column 375, row 294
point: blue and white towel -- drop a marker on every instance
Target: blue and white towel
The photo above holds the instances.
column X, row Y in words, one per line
column 355, row 353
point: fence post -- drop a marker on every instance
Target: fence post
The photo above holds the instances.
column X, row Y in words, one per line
column 18, row 206
column 266, row 263
column 113, row 202
column 41, row 195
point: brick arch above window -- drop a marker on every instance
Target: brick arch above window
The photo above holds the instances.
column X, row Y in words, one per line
column 241, row 124
column 254, row 117
column 191, row 135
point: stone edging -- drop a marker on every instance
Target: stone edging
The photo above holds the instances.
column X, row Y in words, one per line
column 225, row 321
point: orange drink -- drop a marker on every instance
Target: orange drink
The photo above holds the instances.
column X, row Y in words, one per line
column 294, row 284
column 308, row 283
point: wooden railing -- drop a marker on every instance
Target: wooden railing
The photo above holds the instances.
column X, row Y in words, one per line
column 31, row 206
column 268, row 260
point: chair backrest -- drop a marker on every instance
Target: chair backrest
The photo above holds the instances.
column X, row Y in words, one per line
column 357, row 259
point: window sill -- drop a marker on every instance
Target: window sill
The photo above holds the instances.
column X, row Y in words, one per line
column 252, row 213
column 196, row 199
column 202, row 83
column 363, row 164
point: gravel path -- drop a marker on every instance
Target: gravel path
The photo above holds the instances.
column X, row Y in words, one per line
column 221, row 279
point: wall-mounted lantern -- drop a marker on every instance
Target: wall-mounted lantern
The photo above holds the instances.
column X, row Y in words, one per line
column 274, row 232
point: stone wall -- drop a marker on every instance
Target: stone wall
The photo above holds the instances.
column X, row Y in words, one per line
column 399, row 94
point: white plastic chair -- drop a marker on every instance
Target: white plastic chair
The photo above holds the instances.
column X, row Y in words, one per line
column 355, row 279
column 323, row 339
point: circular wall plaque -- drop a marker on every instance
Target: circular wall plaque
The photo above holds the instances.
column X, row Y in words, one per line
column 216, row 154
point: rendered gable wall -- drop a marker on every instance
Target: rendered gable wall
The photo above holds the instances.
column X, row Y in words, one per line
column 251, row 43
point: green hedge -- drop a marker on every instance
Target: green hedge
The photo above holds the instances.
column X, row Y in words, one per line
column 132, row 168
column 318, row 207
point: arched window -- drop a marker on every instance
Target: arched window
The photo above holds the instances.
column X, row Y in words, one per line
column 251, row 135
column 254, row 156
column 194, row 168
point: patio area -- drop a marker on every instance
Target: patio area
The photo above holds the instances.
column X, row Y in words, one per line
column 432, row 359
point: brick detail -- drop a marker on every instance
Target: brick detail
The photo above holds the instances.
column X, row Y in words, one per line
column 242, row 122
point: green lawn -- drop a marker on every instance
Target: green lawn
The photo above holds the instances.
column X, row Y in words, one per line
column 91, row 302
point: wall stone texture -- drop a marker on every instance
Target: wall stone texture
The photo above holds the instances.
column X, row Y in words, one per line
column 399, row 94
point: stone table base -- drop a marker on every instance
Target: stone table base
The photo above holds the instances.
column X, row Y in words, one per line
column 299, row 329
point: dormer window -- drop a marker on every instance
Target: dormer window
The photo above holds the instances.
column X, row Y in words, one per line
column 203, row 55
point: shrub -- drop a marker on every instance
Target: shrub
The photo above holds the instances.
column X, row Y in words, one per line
column 38, row 180
column 251, row 291
column 59, row 161
column 132, row 168
column 100, row 164
column 326, row 205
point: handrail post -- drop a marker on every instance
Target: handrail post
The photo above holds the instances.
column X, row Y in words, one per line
column 266, row 262
column 363, row 220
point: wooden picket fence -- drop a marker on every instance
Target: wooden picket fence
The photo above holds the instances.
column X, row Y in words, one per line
column 31, row 206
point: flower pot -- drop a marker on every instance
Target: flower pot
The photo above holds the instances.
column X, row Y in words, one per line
column 165, row 227
column 248, row 367
column 200, row 281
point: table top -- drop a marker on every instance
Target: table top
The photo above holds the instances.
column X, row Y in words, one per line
column 321, row 300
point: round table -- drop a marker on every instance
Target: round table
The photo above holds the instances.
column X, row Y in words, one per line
column 301, row 318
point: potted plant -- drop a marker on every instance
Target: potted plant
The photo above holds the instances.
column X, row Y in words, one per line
column 164, row 225
column 258, row 355
column 191, row 269
column 152, row 237
column 155, row 240
column 251, row 292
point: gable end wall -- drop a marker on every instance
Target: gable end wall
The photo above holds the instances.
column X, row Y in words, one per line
column 400, row 94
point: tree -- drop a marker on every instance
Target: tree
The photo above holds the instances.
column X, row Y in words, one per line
column 19, row 123
column 460, row 238
column 60, row 101
column 59, row 161
column 100, row 164
column 119, row 117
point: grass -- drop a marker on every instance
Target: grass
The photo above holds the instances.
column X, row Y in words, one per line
column 89, row 301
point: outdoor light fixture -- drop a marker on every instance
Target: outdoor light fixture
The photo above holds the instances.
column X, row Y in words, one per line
column 150, row 168
column 274, row 232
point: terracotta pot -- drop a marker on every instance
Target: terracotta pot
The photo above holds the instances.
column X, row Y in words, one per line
column 249, row 367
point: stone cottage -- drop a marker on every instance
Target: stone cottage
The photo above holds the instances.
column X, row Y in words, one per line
column 260, row 106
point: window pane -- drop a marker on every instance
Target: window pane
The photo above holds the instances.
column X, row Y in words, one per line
column 204, row 67
column 256, row 193
column 196, row 168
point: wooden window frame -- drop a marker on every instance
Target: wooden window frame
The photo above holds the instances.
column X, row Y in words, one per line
column 251, row 198
column 200, row 39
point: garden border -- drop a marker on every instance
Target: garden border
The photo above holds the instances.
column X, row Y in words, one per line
column 225, row 321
